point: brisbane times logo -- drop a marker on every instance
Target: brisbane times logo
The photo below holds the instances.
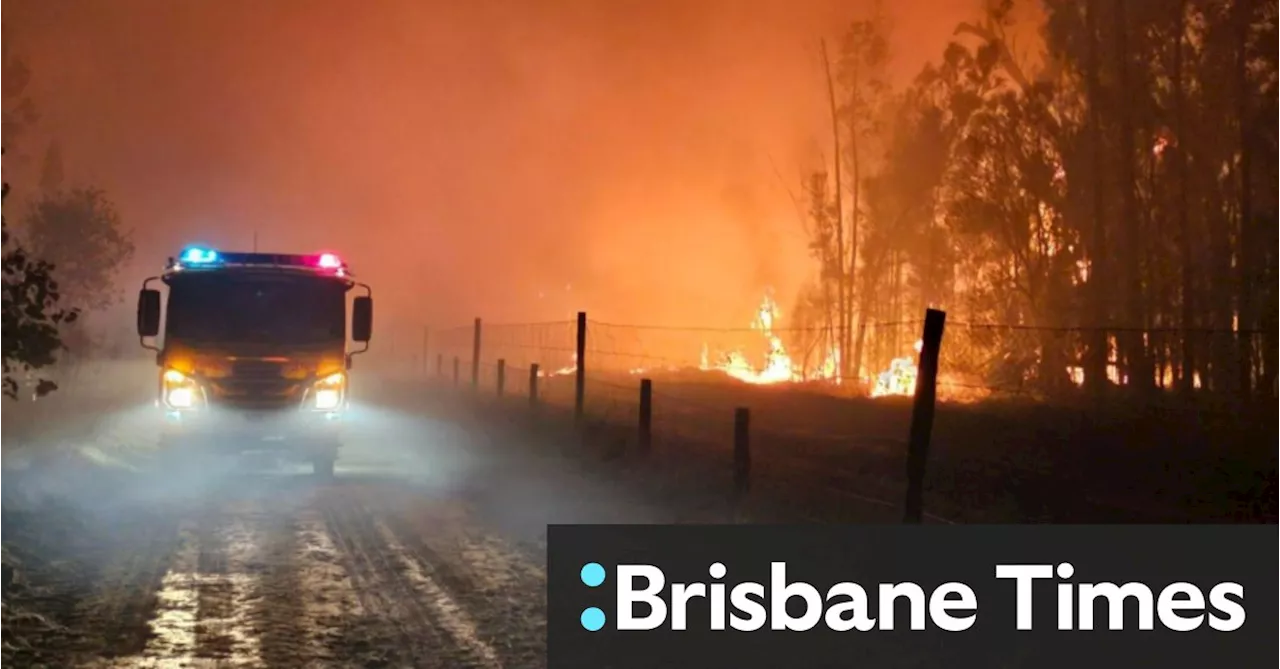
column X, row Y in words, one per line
column 740, row 597
column 645, row 601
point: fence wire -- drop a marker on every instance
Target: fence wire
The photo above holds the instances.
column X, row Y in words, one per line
column 807, row 438
column 977, row 360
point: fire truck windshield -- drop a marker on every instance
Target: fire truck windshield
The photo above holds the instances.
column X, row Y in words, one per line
column 256, row 307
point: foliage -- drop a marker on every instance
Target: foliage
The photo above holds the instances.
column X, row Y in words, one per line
column 32, row 316
column 1123, row 191
column 80, row 232
column 857, row 91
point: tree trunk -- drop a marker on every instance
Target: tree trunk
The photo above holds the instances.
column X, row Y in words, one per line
column 1246, row 253
column 860, row 342
column 1186, row 377
column 1139, row 371
column 1098, row 345
column 1222, row 358
column 851, row 274
column 842, row 275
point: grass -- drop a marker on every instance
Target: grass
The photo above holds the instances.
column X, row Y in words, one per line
column 825, row 457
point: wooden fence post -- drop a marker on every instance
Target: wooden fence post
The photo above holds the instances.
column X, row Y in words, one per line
column 926, row 394
column 502, row 375
column 741, row 453
column 646, row 415
column 456, row 362
column 533, row 385
column 580, row 378
column 475, row 358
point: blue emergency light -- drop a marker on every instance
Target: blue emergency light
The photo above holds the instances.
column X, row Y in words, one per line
column 199, row 256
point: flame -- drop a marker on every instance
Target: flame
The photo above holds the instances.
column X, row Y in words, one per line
column 829, row 370
column 777, row 364
column 778, row 367
column 900, row 378
column 563, row 370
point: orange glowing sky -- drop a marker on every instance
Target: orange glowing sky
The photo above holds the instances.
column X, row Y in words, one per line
column 465, row 157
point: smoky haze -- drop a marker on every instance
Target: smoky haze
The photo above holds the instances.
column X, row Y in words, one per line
column 514, row 160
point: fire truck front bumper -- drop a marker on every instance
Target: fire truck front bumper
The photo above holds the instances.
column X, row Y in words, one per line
column 306, row 434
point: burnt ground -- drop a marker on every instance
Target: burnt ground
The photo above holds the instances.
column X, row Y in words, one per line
column 428, row 549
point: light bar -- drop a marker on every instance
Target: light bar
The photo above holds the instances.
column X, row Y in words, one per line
column 197, row 256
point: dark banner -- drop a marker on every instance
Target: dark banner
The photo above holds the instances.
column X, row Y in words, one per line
column 666, row 597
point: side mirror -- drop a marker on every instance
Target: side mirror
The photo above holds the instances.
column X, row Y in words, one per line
column 362, row 319
column 148, row 313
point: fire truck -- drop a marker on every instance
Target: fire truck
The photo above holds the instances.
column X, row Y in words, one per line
column 255, row 353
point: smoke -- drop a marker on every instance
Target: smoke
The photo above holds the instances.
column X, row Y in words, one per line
column 464, row 157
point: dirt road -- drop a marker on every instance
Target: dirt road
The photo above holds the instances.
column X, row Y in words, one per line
column 426, row 550
column 267, row 571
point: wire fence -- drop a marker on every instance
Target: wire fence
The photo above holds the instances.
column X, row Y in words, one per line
column 806, row 435
column 978, row 360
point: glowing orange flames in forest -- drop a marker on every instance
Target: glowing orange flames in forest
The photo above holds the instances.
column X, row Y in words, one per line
column 778, row 366
column 900, row 378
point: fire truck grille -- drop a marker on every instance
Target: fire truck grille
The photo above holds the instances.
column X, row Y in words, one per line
column 257, row 385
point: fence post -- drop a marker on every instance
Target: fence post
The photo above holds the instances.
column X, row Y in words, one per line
column 456, row 362
column 741, row 452
column 646, row 415
column 926, row 394
column 475, row 358
column 580, row 378
column 439, row 364
column 502, row 375
column 533, row 385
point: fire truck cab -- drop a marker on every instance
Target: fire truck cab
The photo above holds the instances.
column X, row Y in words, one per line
column 254, row 354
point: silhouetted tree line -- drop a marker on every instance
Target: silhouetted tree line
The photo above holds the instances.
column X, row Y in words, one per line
column 1120, row 198
column 65, row 261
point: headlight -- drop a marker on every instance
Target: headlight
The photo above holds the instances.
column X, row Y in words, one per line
column 180, row 391
column 327, row 394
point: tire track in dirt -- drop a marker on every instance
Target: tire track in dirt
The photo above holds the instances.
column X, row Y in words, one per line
column 503, row 593
column 214, row 589
column 202, row 616
column 277, row 605
column 306, row 599
column 226, row 581
column 328, row 598
column 451, row 616
column 400, row 626
column 173, row 623
column 125, row 597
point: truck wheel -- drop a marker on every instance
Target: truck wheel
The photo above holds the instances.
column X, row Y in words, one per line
column 322, row 467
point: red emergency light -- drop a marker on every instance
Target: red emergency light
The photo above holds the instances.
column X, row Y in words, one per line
column 203, row 258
